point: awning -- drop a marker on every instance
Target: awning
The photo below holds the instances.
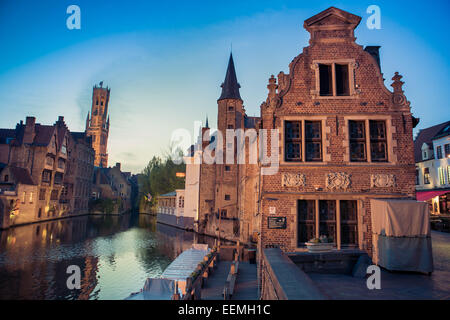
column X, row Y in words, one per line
column 427, row 195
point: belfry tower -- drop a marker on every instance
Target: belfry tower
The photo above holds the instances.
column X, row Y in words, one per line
column 97, row 124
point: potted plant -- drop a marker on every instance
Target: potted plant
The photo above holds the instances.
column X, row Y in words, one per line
column 321, row 244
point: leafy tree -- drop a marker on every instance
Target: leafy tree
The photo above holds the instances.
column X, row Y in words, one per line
column 159, row 177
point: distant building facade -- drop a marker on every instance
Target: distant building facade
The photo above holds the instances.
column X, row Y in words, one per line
column 113, row 184
column 432, row 157
column 171, row 210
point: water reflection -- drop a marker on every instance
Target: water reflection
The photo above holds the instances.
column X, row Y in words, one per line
column 115, row 254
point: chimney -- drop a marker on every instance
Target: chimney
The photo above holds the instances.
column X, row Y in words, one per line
column 374, row 51
column 118, row 165
column 29, row 133
column 30, row 121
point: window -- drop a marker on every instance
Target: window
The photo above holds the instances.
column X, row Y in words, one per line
column 40, row 212
column 227, row 197
column 293, row 141
column 31, row 197
column 327, row 219
column 448, row 175
column 223, row 213
column 46, row 176
column 24, row 196
column 49, row 161
column 230, row 126
column 447, row 149
column 42, row 194
column 342, row 81
column 441, row 175
column 426, row 176
column 61, row 163
column 313, row 140
column 334, row 79
column 54, row 195
column 230, row 109
column 6, row 178
column 378, row 141
column 306, row 220
column 325, row 77
column 227, row 168
column 417, row 177
column 349, row 222
column 324, row 214
column 439, row 152
column 181, row 202
column 357, row 134
column 58, row 178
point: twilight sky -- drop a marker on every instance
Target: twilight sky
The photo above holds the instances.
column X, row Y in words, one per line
column 165, row 60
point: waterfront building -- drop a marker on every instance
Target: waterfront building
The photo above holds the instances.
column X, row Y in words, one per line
column 18, row 194
column 97, row 124
column 171, row 210
column 41, row 150
column 47, row 168
column 344, row 139
column 78, row 180
column 192, row 185
column 432, row 157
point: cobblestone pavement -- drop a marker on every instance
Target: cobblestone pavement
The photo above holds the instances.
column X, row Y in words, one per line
column 395, row 285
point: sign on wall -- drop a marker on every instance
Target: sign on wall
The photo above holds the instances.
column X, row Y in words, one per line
column 276, row 222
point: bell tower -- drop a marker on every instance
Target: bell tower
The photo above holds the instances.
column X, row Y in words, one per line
column 97, row 124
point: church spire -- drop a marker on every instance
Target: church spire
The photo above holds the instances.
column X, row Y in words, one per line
column 207, row 125
column 230, row 87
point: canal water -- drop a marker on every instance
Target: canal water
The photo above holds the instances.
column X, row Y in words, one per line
column 115, row 254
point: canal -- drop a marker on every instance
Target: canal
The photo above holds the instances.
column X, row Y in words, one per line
column 115, row 254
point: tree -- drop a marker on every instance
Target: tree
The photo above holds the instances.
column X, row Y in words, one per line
column 159, row 177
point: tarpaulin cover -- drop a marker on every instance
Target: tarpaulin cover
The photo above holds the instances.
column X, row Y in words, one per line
column 403, row 253
column 400, row 218
column 401, row 235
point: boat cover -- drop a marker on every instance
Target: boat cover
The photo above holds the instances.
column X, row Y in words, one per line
column 186, row 263
column 155, row 289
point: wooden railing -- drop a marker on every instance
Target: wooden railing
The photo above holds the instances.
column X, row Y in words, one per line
column 228, row 289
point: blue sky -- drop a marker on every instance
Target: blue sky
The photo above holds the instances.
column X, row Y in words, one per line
column 165, row 60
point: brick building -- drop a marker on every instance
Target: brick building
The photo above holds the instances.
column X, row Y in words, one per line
column 344, row 138
column 41, row 170
column 78, row 180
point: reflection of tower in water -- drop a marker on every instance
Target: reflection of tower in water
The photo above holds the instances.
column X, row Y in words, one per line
column 89, row 278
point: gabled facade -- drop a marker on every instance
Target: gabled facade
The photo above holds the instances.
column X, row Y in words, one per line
column 344, row 138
